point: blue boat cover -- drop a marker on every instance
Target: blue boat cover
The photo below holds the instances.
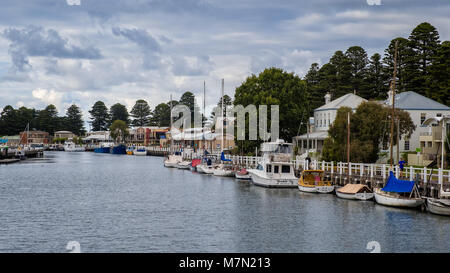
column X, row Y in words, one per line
column 395, row 185
column 222, row 157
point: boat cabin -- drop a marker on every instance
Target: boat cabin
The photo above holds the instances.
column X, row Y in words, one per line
column 313, row 178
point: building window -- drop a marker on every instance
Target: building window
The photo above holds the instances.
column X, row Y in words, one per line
column 423, row 116
column 406, row 145
column 430, row 144
column 438, row 115
column 329, row 119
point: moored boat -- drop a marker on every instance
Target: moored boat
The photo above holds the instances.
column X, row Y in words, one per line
column 242, row 175
column 183, row 165
column 275, row 170
column 172, row 160
column 105, row 148
column 355, row 192
column 141, row 151
column 130, row 150
column 225, row 168
column 119, row 150
column 398, row 193
column 312, row 181
column 69, row 146
column 194, row 164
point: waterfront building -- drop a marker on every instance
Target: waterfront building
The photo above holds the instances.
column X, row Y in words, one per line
column 64, row 134
column 148, row 136
column 34, row 137
column 12, row 141
column 324, row 116
column 97, row 137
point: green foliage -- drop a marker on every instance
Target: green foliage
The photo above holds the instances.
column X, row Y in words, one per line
column 369, row 127
column 74, row 120
column 119, row 131
column 141, row 113
column 274, row 86
column 161, row 115
column 188, row 99
column 99, row 116
column 119, row 112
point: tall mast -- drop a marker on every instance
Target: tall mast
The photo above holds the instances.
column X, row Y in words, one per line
column 171, row 131
column 204, row 103
column 394, row 80
column 348, row 143
column 223, row 117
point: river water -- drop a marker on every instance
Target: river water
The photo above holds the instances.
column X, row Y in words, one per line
column 110, row 203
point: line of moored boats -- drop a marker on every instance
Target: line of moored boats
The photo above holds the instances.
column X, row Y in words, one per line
column 276, row 170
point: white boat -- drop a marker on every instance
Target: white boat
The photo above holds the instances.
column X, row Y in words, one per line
column 275, row 169
column 355, row 192
column 398, row 193
column 439, row 206
column 242, row 175
column 207, row 169
column 172, row 161
column 224, row 170
column 312, row 181
column 69, row 146
column 140, row 151
column 183, row 165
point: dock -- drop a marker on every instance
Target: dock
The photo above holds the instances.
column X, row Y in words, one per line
column 9, row 161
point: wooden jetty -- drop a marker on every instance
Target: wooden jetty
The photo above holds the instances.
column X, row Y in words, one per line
column 9, row 161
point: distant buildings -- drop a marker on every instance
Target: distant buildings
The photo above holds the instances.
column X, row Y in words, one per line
column 64, row 134
column 34, row 137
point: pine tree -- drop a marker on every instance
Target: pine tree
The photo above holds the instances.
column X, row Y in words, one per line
column 99, row 116
column 376, row 78
column 357, row 59
column 141, row 113
column 440, row 74
column 74, row 120
column 119, row 112
column 403, row 53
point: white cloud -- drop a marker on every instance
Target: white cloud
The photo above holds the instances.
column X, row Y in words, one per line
column 48, row 96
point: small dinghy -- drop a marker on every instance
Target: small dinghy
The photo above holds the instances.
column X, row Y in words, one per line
column 312, row 181
column 355, row 192
column 242, row 175
column 399, row 193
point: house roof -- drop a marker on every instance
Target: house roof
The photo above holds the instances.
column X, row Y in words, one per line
column 413, row 101
column 319, row 135
column 349, row 100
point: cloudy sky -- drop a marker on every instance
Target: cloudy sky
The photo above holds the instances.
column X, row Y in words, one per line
column 81, row 51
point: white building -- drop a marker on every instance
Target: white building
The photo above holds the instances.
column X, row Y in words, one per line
column 419, row 108
column 324, row 116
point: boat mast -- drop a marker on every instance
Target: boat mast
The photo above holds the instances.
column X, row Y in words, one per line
column 223, row 118
column 203, row 127
column 394, row 79
column 348, row 144
column 171, row 131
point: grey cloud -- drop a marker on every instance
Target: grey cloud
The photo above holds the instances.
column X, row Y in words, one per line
column 37, row 41
column 192, row 66
column 139, row 36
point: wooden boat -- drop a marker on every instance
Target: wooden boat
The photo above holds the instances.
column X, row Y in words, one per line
column 355, row 192
column 439, row 206
column 398, row 193
column 242, row 175
column 312, row 181
column 130, row 150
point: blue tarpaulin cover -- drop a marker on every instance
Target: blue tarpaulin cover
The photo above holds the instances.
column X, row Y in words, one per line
column 395, row 185
column 222, row 157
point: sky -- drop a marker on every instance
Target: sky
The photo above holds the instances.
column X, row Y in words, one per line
column 80, row 51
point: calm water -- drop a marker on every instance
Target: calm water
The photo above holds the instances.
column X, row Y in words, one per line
column 133, row 204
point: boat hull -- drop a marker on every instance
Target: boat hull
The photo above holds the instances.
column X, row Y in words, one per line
column 317, row 189
column 102, row 150
column 225, row 173
column 242, row 177
column 391, row 201
column 140, row 153
column 272, row 183
column 170, row 164
column 355, row 196
column 438, row 207
column 183, row 166
column 119, row 150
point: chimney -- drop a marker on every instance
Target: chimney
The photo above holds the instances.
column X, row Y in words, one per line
column 327, row 98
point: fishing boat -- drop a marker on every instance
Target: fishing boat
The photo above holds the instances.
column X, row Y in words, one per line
column 242, row 175
column 275, row 169
column 69, row 146
column 141, row 151
column 130, row 150
column 119, row 150
column 398, row 193
column 355, row 192
column 172, row 160
column 312, row 181
column 105, row 148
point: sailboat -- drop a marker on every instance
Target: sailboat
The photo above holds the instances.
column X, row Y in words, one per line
column 225, row 168
column 398, row 193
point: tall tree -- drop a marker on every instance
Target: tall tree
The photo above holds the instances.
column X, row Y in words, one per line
column 119, row 112
column 440, row 74
column 99, row 116
column 376, row 78
column 343, row 76
column 48, row 119
column 313, row 79
column 161, row 115
column 141, row 113
column 357, row 58
column 424, row 44
column 119, row 130
column 275, row 86
column 8, row 121
column 188, row 99
column 74, row 120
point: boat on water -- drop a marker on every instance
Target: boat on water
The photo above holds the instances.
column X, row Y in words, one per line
column 398, row 193
column 225, row 168
column 140, row 151
column 355, row 192
column 184, row 165
column 130, row 150
column 207, row 167
column 276, row 168
column 439, row 206
column 312, row 181
column 69, row 146
column 119, row 150
column 242, row 175
column 172, row 160
column 194, row 164
column 105, row 148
